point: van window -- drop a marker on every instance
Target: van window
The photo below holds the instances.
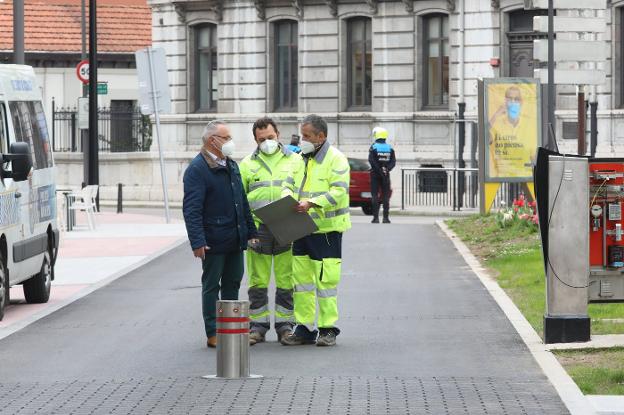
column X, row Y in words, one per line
column 30, row 127
column 4, row 136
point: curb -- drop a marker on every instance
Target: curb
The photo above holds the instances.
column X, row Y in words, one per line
column 568, row 391
column 88, row 290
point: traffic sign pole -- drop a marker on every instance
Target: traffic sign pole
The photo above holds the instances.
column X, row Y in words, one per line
column 157, row 116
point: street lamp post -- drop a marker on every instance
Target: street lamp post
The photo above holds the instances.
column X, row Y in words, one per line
column 93, row 168
column 18, row 32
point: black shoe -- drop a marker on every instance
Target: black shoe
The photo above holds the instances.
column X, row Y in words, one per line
column 375, row 220
column 327, row 337
column 300, row 336
column 386, row 220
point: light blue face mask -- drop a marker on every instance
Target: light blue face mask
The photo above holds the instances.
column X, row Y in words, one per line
column 513, row 110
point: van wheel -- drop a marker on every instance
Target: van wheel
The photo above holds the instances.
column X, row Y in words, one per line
column 37, row 288
column 367, row 209
column 4, row 287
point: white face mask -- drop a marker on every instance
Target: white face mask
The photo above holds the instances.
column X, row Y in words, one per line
column 228, row 148
column 269, row 146
column 307, row 147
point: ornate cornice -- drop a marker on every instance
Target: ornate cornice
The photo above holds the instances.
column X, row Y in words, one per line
column 495, row 4
column 260, row 9
column 450, row 5
column 182, row 7
column 333, row 7
column 180, row 10
column 298, row 5
column 372, row 4
column 409, row 5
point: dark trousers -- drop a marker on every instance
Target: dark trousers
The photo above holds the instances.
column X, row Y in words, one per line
column 380, row 183
column 222, row 272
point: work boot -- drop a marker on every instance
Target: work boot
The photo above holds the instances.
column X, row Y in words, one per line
column 283, row 334
column 300, row 336
column 212, row 342
column 327, row 337
column 386, row 220
column 375, row 220
column 255, row 337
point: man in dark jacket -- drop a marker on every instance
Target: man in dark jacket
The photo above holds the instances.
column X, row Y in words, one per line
column 218, row 220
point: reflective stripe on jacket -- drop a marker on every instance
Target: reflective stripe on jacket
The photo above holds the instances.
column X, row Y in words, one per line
column 269, row 178
column 326, row 184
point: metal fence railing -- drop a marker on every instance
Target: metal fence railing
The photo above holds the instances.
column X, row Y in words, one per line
column 119, row 130
column 455, row 188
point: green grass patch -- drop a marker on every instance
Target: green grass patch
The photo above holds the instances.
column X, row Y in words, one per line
column 514, row 257
column 595, row 371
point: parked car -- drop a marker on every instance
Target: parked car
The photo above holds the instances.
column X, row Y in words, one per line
column 360, row 186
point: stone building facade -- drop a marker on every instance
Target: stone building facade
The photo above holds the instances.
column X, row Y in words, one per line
column 396, row 63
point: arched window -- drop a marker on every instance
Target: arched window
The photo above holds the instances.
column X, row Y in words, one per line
column 286, row 65
column 359, row 63
column 206, row 74
column 436, row 60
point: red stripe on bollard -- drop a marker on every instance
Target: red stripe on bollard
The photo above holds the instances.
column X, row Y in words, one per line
column 232, row 319
column 232, row 331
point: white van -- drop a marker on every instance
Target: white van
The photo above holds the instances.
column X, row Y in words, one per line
column 29, row 234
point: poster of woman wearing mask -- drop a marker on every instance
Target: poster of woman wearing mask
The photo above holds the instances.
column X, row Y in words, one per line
column 513, row 126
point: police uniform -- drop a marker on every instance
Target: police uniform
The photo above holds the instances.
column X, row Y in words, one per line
column 382, row 160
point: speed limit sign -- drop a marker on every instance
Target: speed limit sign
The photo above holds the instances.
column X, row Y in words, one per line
column 82, row 71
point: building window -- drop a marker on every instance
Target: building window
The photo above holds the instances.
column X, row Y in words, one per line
column 286, row 65
column 359, row 64
column 206, row 74
column 436, row 67
column 520, row 37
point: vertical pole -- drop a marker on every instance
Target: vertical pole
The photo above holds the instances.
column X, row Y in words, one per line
column 119, row 198
column 461, row 163
column 402, row 189
column 93, row 168
column 551, row 76
column 73, row 131
column 157, row 116
column 593, row 107
column 53, row 125
column 582, row 148
column 18, row 32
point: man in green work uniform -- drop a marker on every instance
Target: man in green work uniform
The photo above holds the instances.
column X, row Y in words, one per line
column 317, row 258
column 269, row 173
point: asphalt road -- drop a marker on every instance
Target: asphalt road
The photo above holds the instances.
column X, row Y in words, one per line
column 419, row 335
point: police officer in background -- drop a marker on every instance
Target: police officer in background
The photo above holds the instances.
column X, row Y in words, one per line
column 382, row 160
column 294, row 144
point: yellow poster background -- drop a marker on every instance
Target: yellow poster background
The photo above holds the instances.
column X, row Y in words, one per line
column 512, row 141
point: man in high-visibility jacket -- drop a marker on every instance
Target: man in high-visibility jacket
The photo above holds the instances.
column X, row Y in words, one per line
column 317, row 258
column 268, row 174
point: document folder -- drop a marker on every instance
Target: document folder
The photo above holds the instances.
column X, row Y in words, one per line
column 284, row 222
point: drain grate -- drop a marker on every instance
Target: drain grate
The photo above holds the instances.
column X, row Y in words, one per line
column 300, row 395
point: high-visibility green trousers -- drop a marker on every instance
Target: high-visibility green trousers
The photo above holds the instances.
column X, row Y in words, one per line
column 261, row 260
column 317, row 263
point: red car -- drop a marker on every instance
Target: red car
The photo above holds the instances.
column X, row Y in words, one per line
column 360, row 186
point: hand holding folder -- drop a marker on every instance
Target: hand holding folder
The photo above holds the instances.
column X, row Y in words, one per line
column 284, row 222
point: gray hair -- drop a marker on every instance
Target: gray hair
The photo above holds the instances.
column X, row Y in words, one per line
column 317, row 122
column 211, row 129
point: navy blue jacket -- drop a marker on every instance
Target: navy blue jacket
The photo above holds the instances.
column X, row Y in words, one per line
column 215, row 207
column 381, row 154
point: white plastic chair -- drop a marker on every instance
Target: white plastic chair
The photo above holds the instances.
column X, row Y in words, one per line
column 84, row 199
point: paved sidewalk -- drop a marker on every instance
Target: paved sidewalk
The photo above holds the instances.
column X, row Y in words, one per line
column 88, row 258
column 421, row 335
